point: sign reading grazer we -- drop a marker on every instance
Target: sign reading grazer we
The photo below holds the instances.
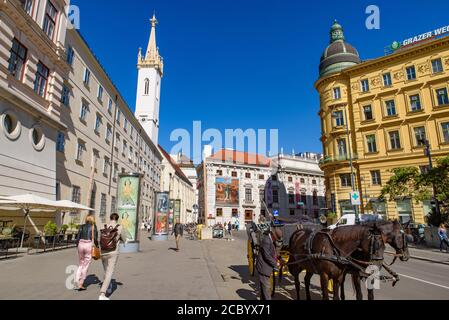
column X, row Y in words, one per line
column 434, row 34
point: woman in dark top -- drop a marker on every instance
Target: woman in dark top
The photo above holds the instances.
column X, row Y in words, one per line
column 84, row 245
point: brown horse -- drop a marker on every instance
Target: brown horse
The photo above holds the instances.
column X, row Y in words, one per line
column 395, row 237
column 319, row 253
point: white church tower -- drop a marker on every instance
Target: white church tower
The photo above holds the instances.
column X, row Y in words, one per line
column 150, row 71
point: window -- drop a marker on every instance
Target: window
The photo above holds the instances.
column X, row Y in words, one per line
column 437, row 66
column 445, row 128
column 119, row 116
column 131, row 153
column 411, row 73
column 81, row 148
column 147, row 86
column 248, row 175
column 442, row 97
column 234, row 174
column 395, row 142
column 368, row 112
column 342, row 151
column 345, row 180
column 76, row 194
column 290, row 179
column 113, row 204
column 339, row 119
column 60, row 142
column 50, row 20
column 108, row 133
column 314, row 182
column 106, row 165
column 404, row 208
column 27, row 5
column 291, row 198
column 65, row 96
column 275, row 196
column 219, row 172
column 125, row 125
column 103, row 205
column 97, row 124
column 248, row 215
column 17, row 59
column 415, row 103
column 391, row 108
column 303, row 180
column 125, row 147
column 70, row 55
column 84, row 111
column 274, row 178
column 117, row 141
column 315, row 197
column 40, row 83
column 371, row 143
column 387, row 79
column 110, row 106
column 100, row 92
column 420, row 136
column 376, row 178
column 115, row 172
column 235, row 213
column 219, row 212
column 337, row 93
column 86, row 77
column 364, row 84
column 248, row 195
column 303, row 198
column 261, row 177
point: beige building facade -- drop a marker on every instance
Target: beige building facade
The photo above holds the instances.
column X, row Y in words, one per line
column 390, row 105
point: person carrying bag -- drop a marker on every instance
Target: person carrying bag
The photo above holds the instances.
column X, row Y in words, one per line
column 87, row 247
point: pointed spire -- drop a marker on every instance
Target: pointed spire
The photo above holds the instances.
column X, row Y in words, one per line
column 152, row 57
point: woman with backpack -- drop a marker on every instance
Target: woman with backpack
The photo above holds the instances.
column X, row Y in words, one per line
column 110, row 239
column 86, row 239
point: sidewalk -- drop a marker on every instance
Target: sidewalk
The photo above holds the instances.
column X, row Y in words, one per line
column 156, row 273
column 428, row 254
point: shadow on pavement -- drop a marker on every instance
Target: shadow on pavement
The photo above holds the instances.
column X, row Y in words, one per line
column 91, row 280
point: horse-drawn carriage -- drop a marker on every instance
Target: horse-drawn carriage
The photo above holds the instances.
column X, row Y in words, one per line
column 307, row 246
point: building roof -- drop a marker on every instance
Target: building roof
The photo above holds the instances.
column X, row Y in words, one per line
column 239, row 157
column 183, row 161
column 339, row 54
column 177, row 169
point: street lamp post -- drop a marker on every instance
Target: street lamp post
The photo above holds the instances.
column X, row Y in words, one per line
column 351, row 164
column 428, row 153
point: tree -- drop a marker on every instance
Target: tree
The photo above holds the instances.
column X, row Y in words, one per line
column 410, row 182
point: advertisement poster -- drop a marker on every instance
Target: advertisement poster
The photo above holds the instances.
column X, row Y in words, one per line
column 171, row 216
column 178, row 211
column 128, row 204
column 227, row 192
column 162, row 210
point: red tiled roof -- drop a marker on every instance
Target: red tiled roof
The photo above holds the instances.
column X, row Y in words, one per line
column 239, row 157
column 178, row 170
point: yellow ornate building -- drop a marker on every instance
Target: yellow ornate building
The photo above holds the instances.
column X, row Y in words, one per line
column 378, row 112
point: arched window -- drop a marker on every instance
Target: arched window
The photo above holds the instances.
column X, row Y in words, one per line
column 147, row 86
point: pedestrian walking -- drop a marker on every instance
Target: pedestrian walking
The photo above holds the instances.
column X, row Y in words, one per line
column 230, row 230
column 267, row 262
column 442, row 232
column 178, row 231
column 110, row 238
column 86, row 238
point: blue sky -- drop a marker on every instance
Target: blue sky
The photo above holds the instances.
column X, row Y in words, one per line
column 243, row 64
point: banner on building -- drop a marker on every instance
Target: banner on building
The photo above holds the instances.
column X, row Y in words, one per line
column 162, row 211
column 178, row 211
column 171, row 215
column 128, row 204
column 227, row 192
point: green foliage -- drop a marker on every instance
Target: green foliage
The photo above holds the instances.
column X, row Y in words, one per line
column 50, row 228
column 410, row 182
column 332, row 215
column 64, row 228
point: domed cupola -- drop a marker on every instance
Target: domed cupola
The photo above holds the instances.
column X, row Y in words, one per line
column 339, row 54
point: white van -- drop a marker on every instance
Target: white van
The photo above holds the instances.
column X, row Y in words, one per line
column 349, row 219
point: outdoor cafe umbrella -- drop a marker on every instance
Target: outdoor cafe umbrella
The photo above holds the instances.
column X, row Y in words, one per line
column 30, row 202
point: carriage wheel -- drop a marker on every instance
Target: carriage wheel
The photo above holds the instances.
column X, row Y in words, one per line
column 273, row 284
column 330, row 286
column 250, row 258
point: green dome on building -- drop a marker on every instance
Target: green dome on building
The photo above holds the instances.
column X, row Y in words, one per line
column 339, row 54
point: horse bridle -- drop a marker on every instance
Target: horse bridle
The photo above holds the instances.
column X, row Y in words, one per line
column 375, row 244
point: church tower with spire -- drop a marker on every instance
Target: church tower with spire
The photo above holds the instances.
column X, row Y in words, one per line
column 150, row 67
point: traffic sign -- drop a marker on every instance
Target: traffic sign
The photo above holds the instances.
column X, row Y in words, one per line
column 355, row 198
column 276, row 213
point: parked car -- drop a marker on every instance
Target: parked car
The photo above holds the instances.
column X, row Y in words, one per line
column 349, row 220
